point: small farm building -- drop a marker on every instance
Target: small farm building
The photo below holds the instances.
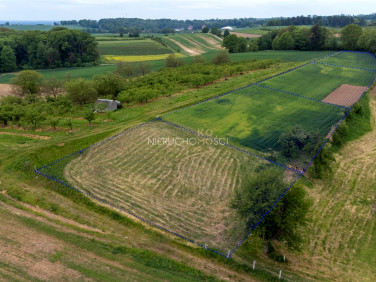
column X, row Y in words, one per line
column 227, row 28
column 111, row 105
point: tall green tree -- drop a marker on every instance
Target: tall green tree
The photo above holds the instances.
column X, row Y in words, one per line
column 205, row 29
column 27, row 82
column 231, row 43
column 226, row 33
column 318, row 37
column 8, row 61
column 367, row 41
column 257, row 194
column 259, row 191
column 350, row 36
column 284, row 42
column 80, row 91
column 110, row 84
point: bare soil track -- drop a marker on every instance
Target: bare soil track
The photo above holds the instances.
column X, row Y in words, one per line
column 246, row 35
column 345, row 95
column 5, row 90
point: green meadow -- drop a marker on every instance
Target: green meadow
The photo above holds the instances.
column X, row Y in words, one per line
column 317, row 81
column 256, row 117
column 359, row 60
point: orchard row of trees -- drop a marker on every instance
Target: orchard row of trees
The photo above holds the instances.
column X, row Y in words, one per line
column 59, row 47
column 36, row 96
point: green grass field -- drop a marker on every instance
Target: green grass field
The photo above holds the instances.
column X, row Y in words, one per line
column 132, row 47
column 253, row 30
column 317, row 81
column 359, row 60
column 255, row 117
column 283, row 56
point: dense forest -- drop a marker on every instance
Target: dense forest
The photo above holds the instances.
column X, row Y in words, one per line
column 59, row 47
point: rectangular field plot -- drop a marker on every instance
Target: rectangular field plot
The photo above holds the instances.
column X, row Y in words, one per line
column 151, row 172
column 132, row 47
column 351, row 59
column 318, row 81
column 256, row 117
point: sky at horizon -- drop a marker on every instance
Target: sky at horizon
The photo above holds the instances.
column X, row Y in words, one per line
column 55, row 10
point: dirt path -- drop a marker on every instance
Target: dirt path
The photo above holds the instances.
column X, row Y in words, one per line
column 5, row 90
column 26, row 135
column 246, row 35
column 212, row 42
column 190, row 51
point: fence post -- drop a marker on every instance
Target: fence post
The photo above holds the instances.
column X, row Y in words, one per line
column 280, row 274
column 254, row 264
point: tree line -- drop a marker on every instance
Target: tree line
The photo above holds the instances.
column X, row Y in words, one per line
column 59, row 47
column 113, row 25
column 332, row 21
column 353, row 37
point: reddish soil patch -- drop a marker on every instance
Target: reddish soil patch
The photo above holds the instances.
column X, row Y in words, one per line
column 246, row 35
column 345, row 95
column 337, row 35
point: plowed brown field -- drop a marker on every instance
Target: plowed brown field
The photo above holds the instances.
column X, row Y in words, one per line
column 345, row 95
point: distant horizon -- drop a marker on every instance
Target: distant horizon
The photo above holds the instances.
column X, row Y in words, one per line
column 58, row 10
column 51, row 22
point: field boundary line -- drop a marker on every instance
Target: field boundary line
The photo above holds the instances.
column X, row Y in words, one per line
column 300, row 174
column 344, row 66
column 338, row 124
column 241, row 88
column 306, row 168
column 228, row 145
column 96, row 144
column 300, row 96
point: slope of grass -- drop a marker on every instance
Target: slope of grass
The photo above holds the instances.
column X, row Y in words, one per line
column 317, row 81
column 132, row 47
column 21, row 183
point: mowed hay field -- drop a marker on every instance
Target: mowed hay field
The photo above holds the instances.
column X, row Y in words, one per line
column 185, row 189
column 318, row 81
column 194, row 44
column 255, row 117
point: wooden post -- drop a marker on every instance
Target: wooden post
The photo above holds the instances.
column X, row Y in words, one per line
column 254, row 264
column 228, row 254
column 280, row 274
